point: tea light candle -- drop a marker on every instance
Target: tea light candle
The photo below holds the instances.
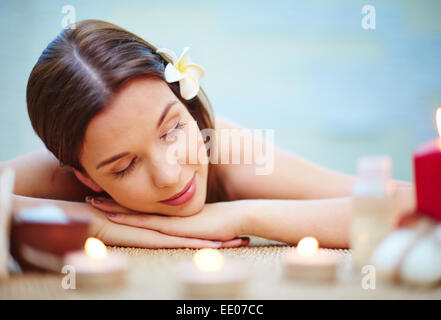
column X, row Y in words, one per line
column 95, row 267
column 427, row 173
column 211, row 276
column 305, row 263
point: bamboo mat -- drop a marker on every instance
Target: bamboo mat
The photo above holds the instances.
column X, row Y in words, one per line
column 152, row 275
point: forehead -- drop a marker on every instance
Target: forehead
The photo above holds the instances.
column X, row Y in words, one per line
column 134, row 110
column 140, row 95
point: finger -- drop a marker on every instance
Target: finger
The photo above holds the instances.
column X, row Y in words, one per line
column 176, row 226
column 234, row 243
column 107, row 205
column 122, row 235
column 181, row 242
column 147, row 221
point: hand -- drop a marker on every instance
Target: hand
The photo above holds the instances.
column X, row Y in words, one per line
column 216, row 221
column 154, row 231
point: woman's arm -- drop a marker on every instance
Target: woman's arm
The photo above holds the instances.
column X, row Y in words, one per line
column 38, row 174
column 328, row 220
column 120, row 235
column 287, row 221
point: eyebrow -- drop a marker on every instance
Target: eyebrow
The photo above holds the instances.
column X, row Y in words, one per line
column 123, row 154
column 111, row 159
column 164, row 113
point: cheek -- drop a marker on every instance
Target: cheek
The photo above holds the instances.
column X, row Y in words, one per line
column 128, row 191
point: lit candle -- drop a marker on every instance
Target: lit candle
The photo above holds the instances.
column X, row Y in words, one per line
column 427, row 172
column 95, row 267
column 211, row 276
column 305, row 263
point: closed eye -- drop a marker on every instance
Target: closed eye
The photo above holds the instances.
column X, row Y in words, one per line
column 127, row 170
column 169, row 135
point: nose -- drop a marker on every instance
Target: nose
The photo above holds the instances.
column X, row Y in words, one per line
column 166, row 172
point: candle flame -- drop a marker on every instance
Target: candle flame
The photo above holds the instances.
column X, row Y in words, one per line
column 95, row 248
column 307, row 246
column 438, row 120
column 208, row 260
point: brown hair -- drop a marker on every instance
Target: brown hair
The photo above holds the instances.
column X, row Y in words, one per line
column 77, row 75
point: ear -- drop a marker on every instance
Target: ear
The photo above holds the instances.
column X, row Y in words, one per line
column 87, row 181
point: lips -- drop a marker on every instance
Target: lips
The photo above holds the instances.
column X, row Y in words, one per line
column 184, row 195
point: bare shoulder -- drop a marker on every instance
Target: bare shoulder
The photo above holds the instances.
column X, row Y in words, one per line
column 226, row 130
column 234, row 174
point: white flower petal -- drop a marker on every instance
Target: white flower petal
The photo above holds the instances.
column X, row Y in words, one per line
column 193, row 70
column 169, row 54
column 189, row 88
column 184, row 58
column 172, row 74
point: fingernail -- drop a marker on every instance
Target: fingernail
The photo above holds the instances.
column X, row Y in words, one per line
column 111, row 215
column 217, row 243
column 88, row 198
column 97, row 200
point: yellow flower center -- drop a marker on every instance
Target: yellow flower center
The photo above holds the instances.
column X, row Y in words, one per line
column 181, row 67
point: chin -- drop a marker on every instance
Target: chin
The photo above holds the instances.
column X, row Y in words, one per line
column 193, row 207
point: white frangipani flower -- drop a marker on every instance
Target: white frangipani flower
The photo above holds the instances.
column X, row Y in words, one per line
column 183, row 70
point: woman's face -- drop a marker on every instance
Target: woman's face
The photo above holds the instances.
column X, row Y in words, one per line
column 135, row 151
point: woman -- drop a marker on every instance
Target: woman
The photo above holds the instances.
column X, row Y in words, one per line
column 99, row 99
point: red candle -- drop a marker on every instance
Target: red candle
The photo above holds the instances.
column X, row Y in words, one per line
column 427, row 171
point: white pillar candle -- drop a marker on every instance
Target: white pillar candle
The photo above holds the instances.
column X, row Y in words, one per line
column 95, row 267
column 305, row 263
column 211, row 276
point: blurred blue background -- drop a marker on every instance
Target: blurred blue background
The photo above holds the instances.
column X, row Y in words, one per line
column 331, row 90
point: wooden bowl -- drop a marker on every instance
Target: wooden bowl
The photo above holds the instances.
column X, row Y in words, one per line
column 40, row 245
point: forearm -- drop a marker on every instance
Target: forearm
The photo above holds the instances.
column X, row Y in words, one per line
column 327, row 220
